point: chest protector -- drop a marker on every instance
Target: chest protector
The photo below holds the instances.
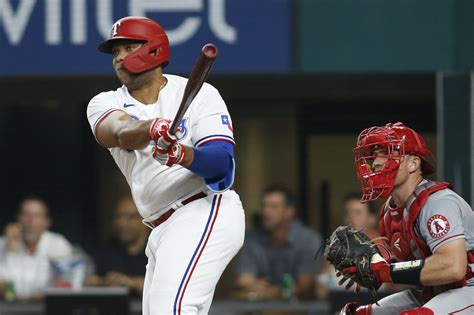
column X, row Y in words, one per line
column 397, row 225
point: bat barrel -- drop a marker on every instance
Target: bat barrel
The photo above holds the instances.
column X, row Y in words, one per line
column 209, row 50
column 196, row 79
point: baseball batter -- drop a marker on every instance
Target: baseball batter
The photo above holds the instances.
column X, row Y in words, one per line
column 429, row 228
column 179, row 183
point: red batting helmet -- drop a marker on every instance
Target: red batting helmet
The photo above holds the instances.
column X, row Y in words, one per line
column 397, row 140
column 154, row 52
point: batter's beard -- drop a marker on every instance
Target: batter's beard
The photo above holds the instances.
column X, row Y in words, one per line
column 130, row 80
column 134, row 81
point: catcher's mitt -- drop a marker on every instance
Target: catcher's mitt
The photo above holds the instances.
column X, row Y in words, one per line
column 348, row 247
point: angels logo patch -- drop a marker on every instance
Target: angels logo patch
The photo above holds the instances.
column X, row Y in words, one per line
column 438, row 226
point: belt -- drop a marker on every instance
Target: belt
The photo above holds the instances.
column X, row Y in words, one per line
column 168, row 213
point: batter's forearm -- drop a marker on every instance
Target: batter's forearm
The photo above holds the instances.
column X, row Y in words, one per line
column 120, row 130
column 134, row 135
column 188, row 157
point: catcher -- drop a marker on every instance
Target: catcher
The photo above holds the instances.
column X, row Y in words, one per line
column 429, row 229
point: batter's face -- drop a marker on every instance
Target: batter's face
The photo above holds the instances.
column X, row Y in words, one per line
column 275, row 211
column 33, row 219
column 127, row 222
column 120, row 50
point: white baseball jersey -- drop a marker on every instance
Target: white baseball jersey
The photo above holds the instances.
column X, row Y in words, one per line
column 156, row 188
column 189, row 251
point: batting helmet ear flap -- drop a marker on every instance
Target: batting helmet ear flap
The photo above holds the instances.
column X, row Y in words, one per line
column 150, row 53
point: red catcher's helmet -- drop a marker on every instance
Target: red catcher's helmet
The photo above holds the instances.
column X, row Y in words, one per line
column 154, row 52
column 396, row 140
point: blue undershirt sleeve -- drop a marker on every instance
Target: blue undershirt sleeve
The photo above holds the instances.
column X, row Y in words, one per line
column 214, row 161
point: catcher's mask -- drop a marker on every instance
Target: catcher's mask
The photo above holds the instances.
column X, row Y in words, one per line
column 153, row 53
column 390, row 142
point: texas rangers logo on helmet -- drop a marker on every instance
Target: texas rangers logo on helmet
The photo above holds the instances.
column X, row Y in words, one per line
column 114, row 32
column 438, row 226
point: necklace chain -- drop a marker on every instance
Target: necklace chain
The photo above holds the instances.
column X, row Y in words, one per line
column 163, row 84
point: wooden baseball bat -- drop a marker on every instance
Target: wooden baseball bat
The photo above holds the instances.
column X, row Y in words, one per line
column 196, row 79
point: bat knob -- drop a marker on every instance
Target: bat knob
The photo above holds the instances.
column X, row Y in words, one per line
column 210, row 50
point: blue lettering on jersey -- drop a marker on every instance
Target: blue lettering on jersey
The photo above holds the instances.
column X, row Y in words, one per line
column 181, row 131
column 226, row 121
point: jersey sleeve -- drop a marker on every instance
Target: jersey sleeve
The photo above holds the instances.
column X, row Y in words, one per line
column 213, row 122
column 100, row 106
column 440, row 222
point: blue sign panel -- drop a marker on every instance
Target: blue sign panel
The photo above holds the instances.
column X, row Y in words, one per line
column 60, row 37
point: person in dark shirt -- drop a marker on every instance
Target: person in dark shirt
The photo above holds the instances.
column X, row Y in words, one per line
column 281, row 248
column 121, row 261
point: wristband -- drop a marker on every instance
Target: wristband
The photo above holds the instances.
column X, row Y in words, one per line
column 407, row 272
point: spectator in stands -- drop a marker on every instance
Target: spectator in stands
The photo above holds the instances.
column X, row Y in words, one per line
column 361, row 216
column 121, row 261
column 27, row 248
column 278, row 257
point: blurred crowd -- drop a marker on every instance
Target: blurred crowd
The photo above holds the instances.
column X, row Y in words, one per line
column 33, row 258
column 281, row 257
